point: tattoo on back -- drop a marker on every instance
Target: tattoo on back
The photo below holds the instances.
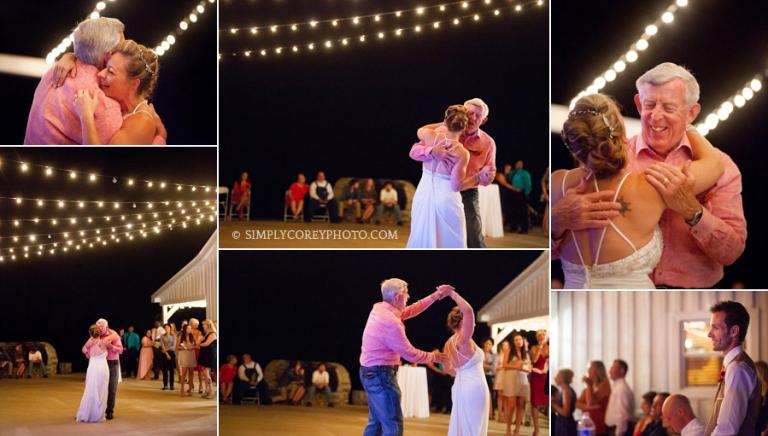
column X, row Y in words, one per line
column 624, row 206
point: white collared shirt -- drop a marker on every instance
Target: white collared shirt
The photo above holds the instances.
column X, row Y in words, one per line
column 320, row 378
column 621, row 406
column 694, row 428
column 740, row 382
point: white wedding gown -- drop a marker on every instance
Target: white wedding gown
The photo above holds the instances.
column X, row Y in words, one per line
column 471, row 397
column 437, row 213
column 94, row 403
column 631, row 272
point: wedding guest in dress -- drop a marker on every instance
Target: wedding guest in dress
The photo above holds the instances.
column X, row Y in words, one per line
column 195, row 324
column 517, row 365
column 351, row 197
column 699, row 239
column 490, row 361
column 539, row 377
column 369, row 196
column 677, row 415
column 762, row 374
column 645, row 406
column 498, row 381
column 296, row 194
column 241, row 195
column 564, row 404
column 321, row 195
column 146, row 356
column 20, row 361
column 168, row 356
column 208, row 352
column 321, row 381
column 132, row 347
column 621, row 403
column 227, row 374
column 737, row 401
column 293, row 383
column 185, row 349
column 594, row 397
column 388, row 204
column 35, row 360
column 656, row 427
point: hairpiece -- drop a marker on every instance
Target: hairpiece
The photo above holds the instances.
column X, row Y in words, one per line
column 146, row 65
column 595, row 113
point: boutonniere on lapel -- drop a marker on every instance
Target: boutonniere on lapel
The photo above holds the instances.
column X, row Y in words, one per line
column 722, row 376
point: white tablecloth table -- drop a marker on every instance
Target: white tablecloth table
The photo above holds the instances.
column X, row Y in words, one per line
column 414, row 394
column 490, row 211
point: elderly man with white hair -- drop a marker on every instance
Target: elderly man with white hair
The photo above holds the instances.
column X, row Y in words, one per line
column 384, row 342
column 701, row 233
column 114, row 348
column 481, row 166
column 53, row 118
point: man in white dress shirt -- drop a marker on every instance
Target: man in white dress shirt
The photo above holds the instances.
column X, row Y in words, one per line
column 321, row 381
column 678, row 416
column 621, row 404
column 737, row 401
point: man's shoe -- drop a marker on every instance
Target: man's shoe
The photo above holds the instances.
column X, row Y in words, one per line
column 45, row 375
column 109, row 416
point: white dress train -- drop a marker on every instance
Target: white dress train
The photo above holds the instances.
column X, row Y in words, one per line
column 471, row 398
column 93, row 406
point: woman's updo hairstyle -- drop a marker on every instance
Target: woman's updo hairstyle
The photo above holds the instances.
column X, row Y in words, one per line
column 456, row 118
column 595, row 135
column 454, row 319
column 143, row 64
column 94, row 331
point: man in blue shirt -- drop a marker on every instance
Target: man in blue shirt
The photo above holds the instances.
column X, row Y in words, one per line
column 132, row 345
column 515, row 188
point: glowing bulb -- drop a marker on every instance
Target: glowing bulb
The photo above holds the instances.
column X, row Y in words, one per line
column 61, row 204
column 682, row 3
column 518, row 8
column 756, row 85
column 399, row 32
column 436, row 24
column 162, row 185
column 233, row 31
column 420, row 10
column 456, row 21
column 641, row 44
column 381, row 35
column 72, row 175
column 610, row 75
column 651, row 29
column 18, row 200
column 619, row 66
column 92, row 177
column 476, row 17
column 40, row 203
column 311, row 46
column 442, row 8
column 466, row 5
column 631, row 56
column 667, row 17
column 48, row 171
column 739, row 101
column 254, row 30
column 149, row 184
column 328, row 44
column 417, row 29
column 295, row 48
column 747, row 93
column 398, row 14
column 356, row 20
column 496, row 12
column 362, row 38
column 312, row 23
column 378, row 18
column 344, row 41
column 183, row 25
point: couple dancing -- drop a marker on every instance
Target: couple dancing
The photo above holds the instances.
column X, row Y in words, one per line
column 660, row 209
column 103, row 350
column 98, row 94
column 456, row 157
column 384, row 342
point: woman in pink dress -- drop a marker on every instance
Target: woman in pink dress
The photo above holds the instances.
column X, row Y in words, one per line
column 146, row 356
column 539, row 377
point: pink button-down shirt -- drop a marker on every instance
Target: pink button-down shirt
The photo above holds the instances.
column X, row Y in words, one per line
column 694, row 257
column 53, row 119
column 117, row 345
column 384, row 339
column 481, row 147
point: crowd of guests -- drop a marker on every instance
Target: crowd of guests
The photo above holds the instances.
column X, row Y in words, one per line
column 609, row 401
column 176, row 354
column 298, row 384
column 23, row 360
column 517, row 207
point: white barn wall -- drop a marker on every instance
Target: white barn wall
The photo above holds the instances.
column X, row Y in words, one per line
column 641, row 328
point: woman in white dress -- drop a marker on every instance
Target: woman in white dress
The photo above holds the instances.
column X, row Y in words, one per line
column 623, row 254
column 517, row 365
column 93, row 405
column 470, row 394
column 437, row 213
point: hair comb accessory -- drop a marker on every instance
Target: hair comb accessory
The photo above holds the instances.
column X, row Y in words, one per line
column 595, row 113
column 146, row 65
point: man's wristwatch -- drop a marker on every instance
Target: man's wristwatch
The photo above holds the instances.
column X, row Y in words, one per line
column 696, row 218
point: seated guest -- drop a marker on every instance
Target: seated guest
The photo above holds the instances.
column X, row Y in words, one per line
column 351, row 197
column 35, row 360
column 5, row 363
column 241, row 195
column 227, row 374
column 321, row 195
column 656, row 427
column 677, row 415
column 645, row 406
column 295, row 195
column 321, row 380
column 369, row 197
column 20, row 360
column 250, row 376
column 292, row 382
column 388, row 203
column 564, row 404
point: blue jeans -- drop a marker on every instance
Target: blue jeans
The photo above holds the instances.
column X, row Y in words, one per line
column 311, row 395
column 385, row 416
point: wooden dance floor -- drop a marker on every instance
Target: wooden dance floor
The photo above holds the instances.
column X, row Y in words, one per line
column 279, row 234
column 48, row 406
column 282, row 420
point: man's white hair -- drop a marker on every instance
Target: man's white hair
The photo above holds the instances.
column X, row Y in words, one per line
column 390, row 288
column 667, row 72
column 95, row 37
column 478, row 102
column 102, row 321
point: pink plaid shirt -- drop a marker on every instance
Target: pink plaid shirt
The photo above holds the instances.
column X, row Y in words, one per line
column 481, row 147
column 384, row 339
column 694, row 257
column 53, row 119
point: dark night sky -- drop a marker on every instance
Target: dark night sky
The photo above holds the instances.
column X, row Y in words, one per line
column 313, row 305
column 57, row 298
column 186, row 92
column 723, row 43
column 355, row 113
